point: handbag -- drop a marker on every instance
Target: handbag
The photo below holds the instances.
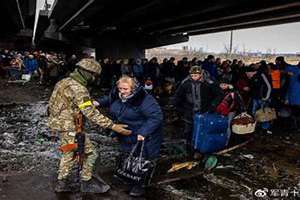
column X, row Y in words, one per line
column 135, row 168
column 265, row 114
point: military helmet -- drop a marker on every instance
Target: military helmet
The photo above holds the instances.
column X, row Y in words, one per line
column 196, row 69
column 90, row 64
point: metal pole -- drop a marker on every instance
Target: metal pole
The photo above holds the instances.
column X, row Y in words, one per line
column 230, row 44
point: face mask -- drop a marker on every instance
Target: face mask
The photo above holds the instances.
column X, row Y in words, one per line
column 88, row 76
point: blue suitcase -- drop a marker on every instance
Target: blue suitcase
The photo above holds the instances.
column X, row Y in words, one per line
column 210, row 132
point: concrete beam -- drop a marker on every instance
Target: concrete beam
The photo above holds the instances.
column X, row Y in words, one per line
column 118, row 47
column 73, row 17
column 162, row 40
column 263, row 13
column 258, row 23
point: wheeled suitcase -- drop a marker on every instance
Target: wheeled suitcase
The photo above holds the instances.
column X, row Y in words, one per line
column 209, row 132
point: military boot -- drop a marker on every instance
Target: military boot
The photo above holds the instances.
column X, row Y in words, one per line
column 62, row 186
column 94, row 186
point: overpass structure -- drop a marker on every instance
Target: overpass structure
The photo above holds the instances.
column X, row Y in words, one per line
column 17, row 19
column 125, row 28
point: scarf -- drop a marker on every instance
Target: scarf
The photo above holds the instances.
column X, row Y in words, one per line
column 124, row 99
column 83, row 77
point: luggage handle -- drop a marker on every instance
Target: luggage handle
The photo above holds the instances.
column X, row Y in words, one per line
column 135, row 148
column 243, row 114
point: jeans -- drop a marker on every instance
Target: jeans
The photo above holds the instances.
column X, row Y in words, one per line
column 230, row 117
column 256, row 104
column 14, row 73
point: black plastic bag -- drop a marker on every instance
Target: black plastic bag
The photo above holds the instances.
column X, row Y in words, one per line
column 133, row 168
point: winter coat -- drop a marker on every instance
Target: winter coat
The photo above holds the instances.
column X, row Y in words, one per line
column 151, row 70
column 143, row 116
column 168, row 69
column 126, row 69
column 240, row 84
column 30, row 65
column 211, row 68
column 261, row 87
column 210, row 97
column 293, row 95
column 182, row 70
column 138, row 70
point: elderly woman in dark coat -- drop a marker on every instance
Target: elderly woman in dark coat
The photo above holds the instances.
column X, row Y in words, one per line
column 129, row 103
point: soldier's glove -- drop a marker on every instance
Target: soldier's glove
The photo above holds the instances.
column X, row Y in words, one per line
column 96, row 103
column 121, row 128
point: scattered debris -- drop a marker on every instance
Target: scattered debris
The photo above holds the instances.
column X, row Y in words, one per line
column 210, row 163
column 249, row 156
column 178, row 166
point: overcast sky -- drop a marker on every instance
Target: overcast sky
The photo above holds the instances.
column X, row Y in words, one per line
column 283, row 38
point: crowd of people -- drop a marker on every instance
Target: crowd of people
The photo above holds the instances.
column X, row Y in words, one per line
column 258, row 84
column 46, row 67
column 192, row 86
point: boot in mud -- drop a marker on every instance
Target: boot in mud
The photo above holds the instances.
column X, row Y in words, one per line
column 93, row 186
column 137, row 191
column 63, row 186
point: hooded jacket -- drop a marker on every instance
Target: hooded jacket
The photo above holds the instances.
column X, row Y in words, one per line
column 210, row 95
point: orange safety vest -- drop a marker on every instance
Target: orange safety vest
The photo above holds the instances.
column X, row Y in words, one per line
column 275, row 74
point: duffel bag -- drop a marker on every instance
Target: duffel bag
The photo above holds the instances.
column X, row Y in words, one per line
column 210, row 132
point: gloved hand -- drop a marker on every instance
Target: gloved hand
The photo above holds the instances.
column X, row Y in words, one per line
column 96, row 103
column 121, row 128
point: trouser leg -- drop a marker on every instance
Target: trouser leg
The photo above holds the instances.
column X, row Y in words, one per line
column 188, row 129
column 230, row 117
column 66, row 162
column 89, row 160
column 255, row 106
column 90, row 181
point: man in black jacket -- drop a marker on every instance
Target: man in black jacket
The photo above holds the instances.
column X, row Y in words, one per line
column 195, row 95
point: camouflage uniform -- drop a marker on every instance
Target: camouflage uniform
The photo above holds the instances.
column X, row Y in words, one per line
column 68, row 99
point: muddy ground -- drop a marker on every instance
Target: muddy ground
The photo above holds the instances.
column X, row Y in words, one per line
column 268, row 166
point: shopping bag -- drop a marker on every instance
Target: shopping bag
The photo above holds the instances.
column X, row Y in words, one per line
column 134, row 168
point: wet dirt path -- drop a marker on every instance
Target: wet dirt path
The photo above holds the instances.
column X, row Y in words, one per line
column 28, row 159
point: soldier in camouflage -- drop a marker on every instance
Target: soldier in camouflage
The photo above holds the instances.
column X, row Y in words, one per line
column 70, row 97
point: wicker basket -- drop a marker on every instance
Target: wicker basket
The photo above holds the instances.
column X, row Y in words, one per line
column 243, row 128
column 265, row 114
